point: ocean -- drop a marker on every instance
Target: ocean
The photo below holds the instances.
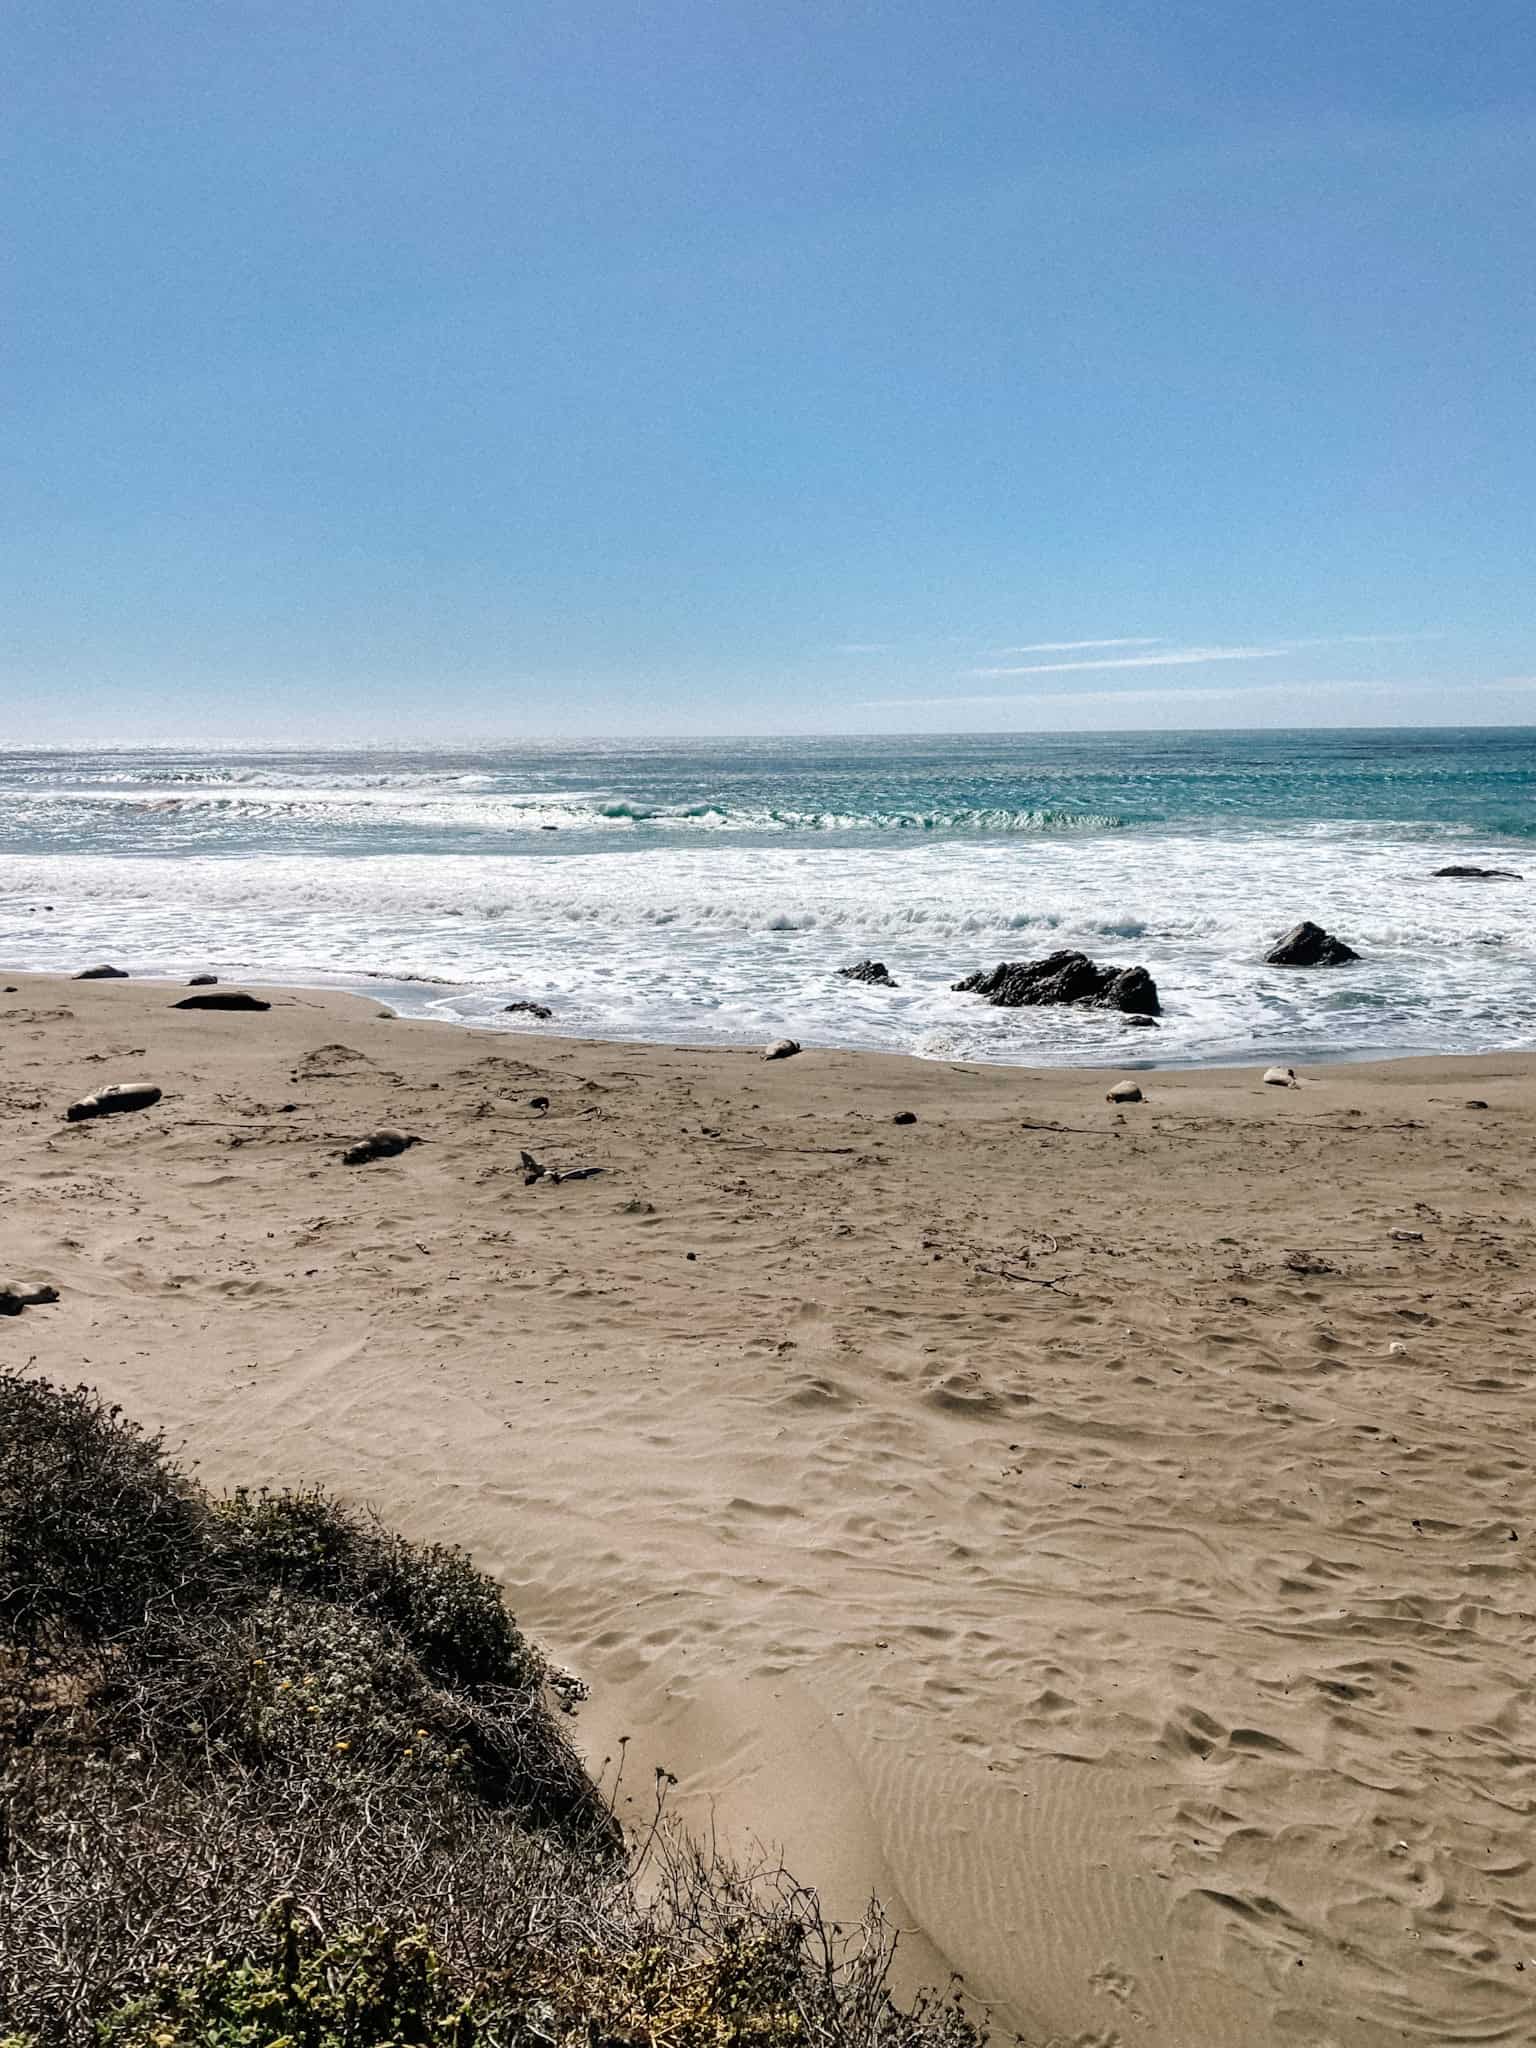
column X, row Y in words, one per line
column 707, row 892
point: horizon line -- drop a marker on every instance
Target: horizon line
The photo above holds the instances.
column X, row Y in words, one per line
column 400, row 743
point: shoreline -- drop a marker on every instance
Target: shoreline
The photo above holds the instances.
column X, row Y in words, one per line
column 1090, row 1528
column 1136, row 1060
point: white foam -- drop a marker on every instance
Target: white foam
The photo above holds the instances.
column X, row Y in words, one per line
column 720, row 942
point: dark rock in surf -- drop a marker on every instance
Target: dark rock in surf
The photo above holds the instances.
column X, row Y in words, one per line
column 1308, row 945
column 540, row 1010
column 874, row 972
column 1466, row 874
column 102, row 973
column 1065, row 977
column 222, row 999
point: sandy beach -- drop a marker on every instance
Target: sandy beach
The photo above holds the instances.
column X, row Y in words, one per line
column 1103, row 1532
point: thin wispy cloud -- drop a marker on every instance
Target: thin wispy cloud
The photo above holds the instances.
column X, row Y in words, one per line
column 1159, row 654
column 1079, row 646
column 865, row 647
column 1160, row 657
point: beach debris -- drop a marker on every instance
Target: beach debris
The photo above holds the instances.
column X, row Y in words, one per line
column 781, row 1049
column 1280, row 1077
column 378, row 1145
column 15, row 1295
column 534, row 1171
column 1308, row 945
column 905, row 1116
column 1458, row 873
column 540, row 1010
column 1125, row 1091
column 113, row 1101
column 1064, row 977
column 203, row 981
column 222, row 999
column 102, row 973
column 874, row 972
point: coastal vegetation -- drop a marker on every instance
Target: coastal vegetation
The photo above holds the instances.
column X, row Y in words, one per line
column 272, row 1776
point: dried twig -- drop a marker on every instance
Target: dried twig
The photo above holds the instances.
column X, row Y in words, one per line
column 764, row 1145
column 1027, row 1279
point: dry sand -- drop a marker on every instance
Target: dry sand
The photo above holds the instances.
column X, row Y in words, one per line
column 1105, row 1533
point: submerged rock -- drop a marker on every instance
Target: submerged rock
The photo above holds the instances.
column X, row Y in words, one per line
column 1308, row 945
column 1065, row 977
column 875, row 972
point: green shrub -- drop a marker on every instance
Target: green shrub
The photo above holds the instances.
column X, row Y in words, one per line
column 355, row 1990
column 97, row 1526
column 451, row 1613
column 375, row 1987
column 314, row 1688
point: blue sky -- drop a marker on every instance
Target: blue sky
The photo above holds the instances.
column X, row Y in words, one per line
column 500, row 370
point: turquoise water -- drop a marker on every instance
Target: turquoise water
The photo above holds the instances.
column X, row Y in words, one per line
column 435, row 801
column 708, row 891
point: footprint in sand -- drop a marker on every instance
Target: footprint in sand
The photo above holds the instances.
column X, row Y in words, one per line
column 1113, row 1982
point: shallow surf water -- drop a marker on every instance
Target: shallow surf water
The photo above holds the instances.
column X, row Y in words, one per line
column 708, row 892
